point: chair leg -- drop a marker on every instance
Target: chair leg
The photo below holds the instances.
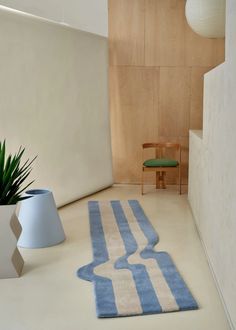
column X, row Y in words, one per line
column 142, row 182
column 180, row 181
column 162, row 180
column 157, row 179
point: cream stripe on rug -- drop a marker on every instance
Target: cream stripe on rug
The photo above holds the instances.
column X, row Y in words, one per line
column 162, row 290
column 122, row 280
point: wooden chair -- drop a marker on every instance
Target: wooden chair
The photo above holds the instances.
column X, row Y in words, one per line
column 162, row 163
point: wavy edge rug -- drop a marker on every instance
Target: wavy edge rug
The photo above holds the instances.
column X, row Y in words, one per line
column 129, row 276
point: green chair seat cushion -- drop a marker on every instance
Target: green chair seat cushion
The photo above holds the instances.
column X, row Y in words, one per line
column 161, row 162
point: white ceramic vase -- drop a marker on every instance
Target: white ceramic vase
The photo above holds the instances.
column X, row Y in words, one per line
column 41, row 225
column 11, row 261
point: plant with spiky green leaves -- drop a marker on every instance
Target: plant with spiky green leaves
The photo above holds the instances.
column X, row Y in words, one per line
column 13, row 175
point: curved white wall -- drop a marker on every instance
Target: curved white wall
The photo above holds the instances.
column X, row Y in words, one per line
column 54, row 101
column 212, row 180
column 86, row 15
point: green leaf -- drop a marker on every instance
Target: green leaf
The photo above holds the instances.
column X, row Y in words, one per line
column 25, row 187
column 13, row 175
column 2, row 160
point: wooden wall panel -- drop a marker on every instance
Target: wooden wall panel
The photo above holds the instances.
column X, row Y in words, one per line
column 196, row 99
column 126, row 32
column 219, row 50
column 174, row 101
column 156, row 67
column 202, row 51
column 164, row 32
column 131, row 98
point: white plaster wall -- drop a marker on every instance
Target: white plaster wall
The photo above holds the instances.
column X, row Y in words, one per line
column 195, row 179
column 86, row 15
column 214, row 201
column 54, row 101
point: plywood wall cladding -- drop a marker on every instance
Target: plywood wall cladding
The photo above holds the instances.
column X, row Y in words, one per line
column 126, row 32
column 132, row 98
column 196, row 100
column 157, row 65
column 202, row 51
column 174, row 101
column 164, row 32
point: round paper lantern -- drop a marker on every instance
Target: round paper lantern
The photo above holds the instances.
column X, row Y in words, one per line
column 206, row 17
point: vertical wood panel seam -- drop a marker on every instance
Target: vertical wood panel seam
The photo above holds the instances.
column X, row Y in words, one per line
column 144, row 26
column 190, row 97
column 159, row 101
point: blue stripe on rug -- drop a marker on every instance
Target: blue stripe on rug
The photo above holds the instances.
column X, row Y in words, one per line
column 126, row 234
column 105, row 298
column 144, row 223
column 178, row 287
column 147, row 296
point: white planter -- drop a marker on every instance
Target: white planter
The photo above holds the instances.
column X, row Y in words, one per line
column 40, row 220
column 11, row 261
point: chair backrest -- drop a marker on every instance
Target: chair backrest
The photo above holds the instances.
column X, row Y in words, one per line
column 162, row 147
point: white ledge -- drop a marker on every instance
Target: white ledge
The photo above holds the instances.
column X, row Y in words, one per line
column 197, row 132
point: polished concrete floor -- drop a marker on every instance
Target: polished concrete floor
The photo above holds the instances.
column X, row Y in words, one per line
column 49, row 296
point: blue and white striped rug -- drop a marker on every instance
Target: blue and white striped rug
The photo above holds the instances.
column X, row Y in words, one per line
column 129, row 277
